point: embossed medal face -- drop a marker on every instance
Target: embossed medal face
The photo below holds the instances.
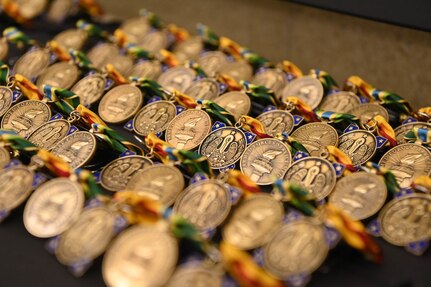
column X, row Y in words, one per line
column 58, row 10
column 104, row 54
column 315, row 137
column 315, row 174
column 359, row 145
column 265, row 160
column 188, row 129
column 205, row 89
column 49, row 134
column 161, row 182
column 211, row 62
column 76, row 149
column 402, row 130
column 25, row 117
column 205, row 204
column 188, row 49
column 32, row 63
column 359, row 194
column 195, row 275
column 15, row 187
column 272, row 79
column 90, row 89
column 406, row 219
column 71, row 39
column 254, row 222
column 60, row 75
column 4, row 49
column 4, row 157
column 53, row 207
column 240, row 71
column 120, row 104
column 177, row 78
column 154, row 117
column 88, row 236
column 146, row 69
column 116, row 175
column 236, row 103
column 30, row 8
column 298, row 247
column 223, row 147
column 307, row 89
column 276, row 122
column 154, row 41
column 366, row 112
column 340, row 102
column 406, row 162
column 135, row 29
column 6, row 98
column 140, row 254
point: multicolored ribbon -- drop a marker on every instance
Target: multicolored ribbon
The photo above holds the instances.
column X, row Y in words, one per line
column 328, row 83
column 88, row 183
column 303, row 108
column 92, row 29
column 294, row 195
column 180, row 34
column 67, row 101
column 231, row 83
column 115, row 75
column 153, row 19
column 337, row 117
column 117, row 142
column 243, row 182
column 294, row 144
column 54, row 163
column 81, row 60
column 89, row 116
column 290, row 68
column 390, row 180
column 61, row 54
column 150, row 88
column 195, row 66
column 210, row 39
column 168, row 58
column 338, row 156
column 384, row 129
column 15, row 36
column 254, row 125
column 92, row 8
column 184, row 100
column 260, row 94
column 422, row 183
column 216, row 112
column 418, row 135
column 4, row 74
column 16, row 142
column 27, row 88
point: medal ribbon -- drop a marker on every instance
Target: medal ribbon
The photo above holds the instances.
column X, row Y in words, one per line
column 338, row 156
column 328, row 83
column 154, row 20
column 384, row 129
column 295, row 195
column 216, row 112
column 294, row 145
column 290, row 68
column 390, row 180
column 4, row 74
column 254, row 125
column 89, row 116
column 254, row 59
column 210, row 39
column 195, row 66
column 81, row 60
column 260, row 94
column 28, row 88
column 168, row 58
column 137, row 52
column 54, row 163
column 185, row 100
column 61, row 54
column 337, row 117
column 180, row 34
column 149, row 87
column 231, row 83
column 93, row 8
column 422, row 183
column 92, row 30
column 67, row 101
column 303, row 108
column 16, row 142
column 420, row 135
column 15, row 36
column 116, row 141
column 88, row 183
column 243, row 182
column 115, row 75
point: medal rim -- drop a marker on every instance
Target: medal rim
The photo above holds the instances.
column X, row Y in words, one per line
column 135, row 117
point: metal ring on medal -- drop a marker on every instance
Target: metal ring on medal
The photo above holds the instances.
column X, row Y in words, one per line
column 60, row 75
column 366, row 112
column 254, row 222
column 188, row 129
column 135, row 29
column 4, row 157
column 276, row 122
column 340, row 102
column 49, row 134
column 206, row 204
column 90, row 89
column 315, row 174
column 223, row 147
column 236, row 103
column 140, row 254
column 315, row 137
column 407, row 162
column 53, row 207
column 15, row 186
column 307, row 89
column 76, row 149
column 211, row 62
column 154, row 117
column 359, row 194
column 25, row 117
column 402, row 130
column 32, row 63
column 273, row 79
column 71, row 39
column 206, row 89
column 240, row 71
column 298, row 247
column 116, row 175
column 160, row 182
column 265, row 160
column 177, row 78
column 120, row 104
column 146, row 69
column 87, row 237
column 406, row 219
column 6, row 98
column 195, row 275
column 358, row 145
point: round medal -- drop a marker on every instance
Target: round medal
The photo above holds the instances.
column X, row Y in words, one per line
column 16, row 185
column 366, row 112
column 188, row 49
column 195, row 275
column 154, row 117
column 32, row 63
column 135, row 29
column 6, row 98
column 53, row 207
column 307, row 89
column 359, row 145
column 76, row 149
column 402, row 130
column 211, row 62
column 205, row 89
column 177, row 78
column 49, row 134
column 240, row 71
column 71, row 39
column 4, row 157
column 273, row 79
column 340, row 102
column 315, row 174
column 276, row 122
column 188, row 129
column 90, row 89
column 146, row 69
column 236, row 103
column 116, row 175
column 315, row 137
column 154, row 41
column 29, row 9
column 265, row 160
column 60, row 75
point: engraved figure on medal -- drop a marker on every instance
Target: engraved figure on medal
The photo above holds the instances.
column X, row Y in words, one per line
column 359, row 145
column 154, row 117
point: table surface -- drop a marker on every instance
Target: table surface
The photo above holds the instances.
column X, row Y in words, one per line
column 24, row 260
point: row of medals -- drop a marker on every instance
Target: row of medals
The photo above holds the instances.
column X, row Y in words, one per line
column 140, row 254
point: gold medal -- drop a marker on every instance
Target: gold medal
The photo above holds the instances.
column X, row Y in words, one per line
column 177, row 78
column 60, row 75
column 196, row 275
column 4, row 157
column 315, row 137
column 154, row 117
column 240, row 71
column 32, row 63
column 90, row 89
column 16, row 185
column 265, row 160
column 211, row 62
column 236, row 103
column 206, row 89
column 135, row 29
column 359, row 145
column 49, row 134
column 71, row 39
column 146, row 69
column 53, row 207
column 402, row 130
column 188, row 49
column 273, row 79
column 104, row 54
column 366, row 112
column 188, row 129
column 276, row 122
column 307, row 89
column 29, row 9
column 340, row 102
column 6, row 98
column 154, row 41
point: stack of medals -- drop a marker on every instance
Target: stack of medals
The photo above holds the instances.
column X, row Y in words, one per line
column 192, row 161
